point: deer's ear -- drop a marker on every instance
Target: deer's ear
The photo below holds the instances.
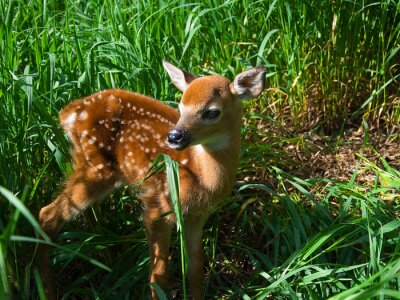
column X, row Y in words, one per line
column 180, row 78
column 248, row 84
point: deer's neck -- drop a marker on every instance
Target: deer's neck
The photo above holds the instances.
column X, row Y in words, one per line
column 215, row 165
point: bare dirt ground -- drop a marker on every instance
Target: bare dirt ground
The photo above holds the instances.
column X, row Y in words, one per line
column 310, row 154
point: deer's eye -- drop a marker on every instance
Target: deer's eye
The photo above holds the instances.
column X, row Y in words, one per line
column 211, row 114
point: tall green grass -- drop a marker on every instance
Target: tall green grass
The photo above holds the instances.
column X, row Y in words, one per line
column 339, row 243
column 309, row 239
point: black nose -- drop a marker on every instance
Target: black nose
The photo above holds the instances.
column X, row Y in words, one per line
column 176, row 136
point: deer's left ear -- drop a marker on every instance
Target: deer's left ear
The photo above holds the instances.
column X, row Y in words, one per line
column 180, row 78
column 249, row 84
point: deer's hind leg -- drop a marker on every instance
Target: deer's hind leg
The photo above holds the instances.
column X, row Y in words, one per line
column 82, row 189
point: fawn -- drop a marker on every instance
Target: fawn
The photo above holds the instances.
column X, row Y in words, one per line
column 117, row 134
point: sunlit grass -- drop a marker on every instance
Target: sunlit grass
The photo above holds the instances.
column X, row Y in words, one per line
column 327, row 62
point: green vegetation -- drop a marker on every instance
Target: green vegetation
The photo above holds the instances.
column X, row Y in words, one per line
column 330, row 64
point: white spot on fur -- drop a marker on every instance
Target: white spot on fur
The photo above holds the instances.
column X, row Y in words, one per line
column 184, row 161
column 70, row 120
column 100, row 166
column 130, row 153
column 83, row 115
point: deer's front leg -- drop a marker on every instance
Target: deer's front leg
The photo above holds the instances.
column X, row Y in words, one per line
column 159, row 235
column 194, row 243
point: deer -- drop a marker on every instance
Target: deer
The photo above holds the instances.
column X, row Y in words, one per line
column 116, row 135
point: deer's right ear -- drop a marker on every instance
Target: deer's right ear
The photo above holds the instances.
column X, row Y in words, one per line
column 180, row 78
column 248, row 84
